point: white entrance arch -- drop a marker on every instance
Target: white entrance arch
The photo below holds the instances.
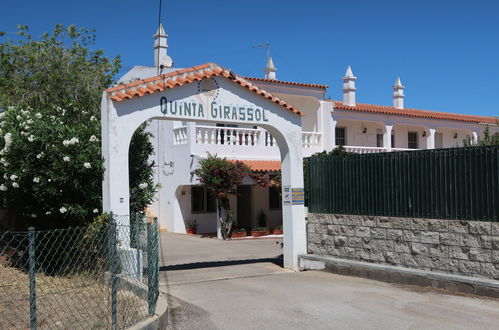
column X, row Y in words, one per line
column 207, row 93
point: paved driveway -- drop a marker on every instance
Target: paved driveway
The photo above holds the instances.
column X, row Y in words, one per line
column 215, row 284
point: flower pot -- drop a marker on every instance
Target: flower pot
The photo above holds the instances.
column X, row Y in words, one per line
column 277, row 231
column 191, row 230
column 238, row 234
column 256, row 233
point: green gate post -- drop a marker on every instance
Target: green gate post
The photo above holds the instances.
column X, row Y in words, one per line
column 32, row 277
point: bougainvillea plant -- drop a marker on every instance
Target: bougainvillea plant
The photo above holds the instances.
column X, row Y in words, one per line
column 267, row 179
column 221, row 178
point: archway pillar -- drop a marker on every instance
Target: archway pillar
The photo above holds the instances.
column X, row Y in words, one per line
column 293, row 211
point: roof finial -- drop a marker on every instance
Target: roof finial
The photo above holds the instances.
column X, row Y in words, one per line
column 270, row 69
column 398, row 94
column 161, row 58
column 349, row 88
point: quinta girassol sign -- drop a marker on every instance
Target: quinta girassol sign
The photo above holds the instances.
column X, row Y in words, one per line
column 216, row 111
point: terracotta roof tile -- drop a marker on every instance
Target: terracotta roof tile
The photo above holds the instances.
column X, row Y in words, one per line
column 260, row 165
column 287, row 82
column 415, row 113
column 185, row 76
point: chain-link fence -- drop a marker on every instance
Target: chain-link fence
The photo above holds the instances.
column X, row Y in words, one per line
column 104, row 276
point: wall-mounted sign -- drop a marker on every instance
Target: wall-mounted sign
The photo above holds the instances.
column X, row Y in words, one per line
column 216, row 111
column 286, row 195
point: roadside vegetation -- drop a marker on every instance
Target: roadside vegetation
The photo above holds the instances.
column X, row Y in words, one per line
column 51, row 165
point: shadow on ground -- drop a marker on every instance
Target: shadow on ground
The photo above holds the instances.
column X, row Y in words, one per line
column 278, row 261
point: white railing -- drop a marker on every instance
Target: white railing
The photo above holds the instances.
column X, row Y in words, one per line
column 403, row 149
column 364, row 150
column 180, row 135
column 231, row 136
column 235, row 136
column 311, row 139
column 373, row 150
column 270, row 140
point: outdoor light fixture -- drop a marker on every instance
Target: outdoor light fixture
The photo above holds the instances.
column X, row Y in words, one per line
column 424, row 133
column 364, row 130
column 455, row 135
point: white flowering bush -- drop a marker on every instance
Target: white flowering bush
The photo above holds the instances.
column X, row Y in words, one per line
column 50, row 148
column 52, row 167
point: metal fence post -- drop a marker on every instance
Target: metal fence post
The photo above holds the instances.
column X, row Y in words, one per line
column 32, row 277
column 153, row 268
column 138, row 219
column 114, row 280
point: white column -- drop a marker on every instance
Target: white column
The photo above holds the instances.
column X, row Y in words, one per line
column 430, row 141
column 293, row 212
column 474, row 137
column 333, row 133
column 387, row 138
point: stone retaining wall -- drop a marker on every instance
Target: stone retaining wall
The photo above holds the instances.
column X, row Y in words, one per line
column 454, row 246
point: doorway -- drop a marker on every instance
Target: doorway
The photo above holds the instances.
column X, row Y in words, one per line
column 244, row 206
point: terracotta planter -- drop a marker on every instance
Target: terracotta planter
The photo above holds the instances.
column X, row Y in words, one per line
column 191, row 230
column 238, row 234
column 256, row 233
column 277, row 231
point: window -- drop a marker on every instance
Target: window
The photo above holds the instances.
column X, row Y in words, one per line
column 412, row 140
column 393, row 139
column 275, row 202
column 202, row 201
column 379, row 140
column 341, row 136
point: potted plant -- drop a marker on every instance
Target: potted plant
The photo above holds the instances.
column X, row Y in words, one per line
column 277, row 230
column 260, row 231
column 192, row 226
column 238, row 233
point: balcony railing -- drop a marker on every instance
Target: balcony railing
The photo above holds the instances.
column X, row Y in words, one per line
column 235, row 136
column 372, row 150
column 180, row 135
column 227, row 135
column 311, row 139
column 364, row 150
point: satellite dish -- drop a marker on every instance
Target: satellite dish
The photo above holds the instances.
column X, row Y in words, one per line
column 166, row 61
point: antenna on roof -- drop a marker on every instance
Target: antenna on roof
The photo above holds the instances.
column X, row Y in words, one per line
column 266, row 45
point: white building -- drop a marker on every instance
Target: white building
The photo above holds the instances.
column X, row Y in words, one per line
column 359, row 127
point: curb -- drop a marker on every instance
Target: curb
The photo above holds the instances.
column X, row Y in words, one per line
column 401, row 275
column 159, row 320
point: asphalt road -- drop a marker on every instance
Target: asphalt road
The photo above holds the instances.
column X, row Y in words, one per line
column 213, row 284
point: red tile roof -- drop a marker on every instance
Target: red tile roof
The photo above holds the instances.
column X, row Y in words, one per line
column 288, row 82
column 415, row 113
column 181, row 77
column 261, row 165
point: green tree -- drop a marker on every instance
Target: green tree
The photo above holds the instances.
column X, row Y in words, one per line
column 221, row 178
column 51, row 165
column 489, row 139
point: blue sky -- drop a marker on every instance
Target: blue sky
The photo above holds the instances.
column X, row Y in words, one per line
column 446, row 52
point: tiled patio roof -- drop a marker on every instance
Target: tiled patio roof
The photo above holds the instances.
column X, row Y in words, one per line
column 185, row 76
column 415, row 113
column 260, row 165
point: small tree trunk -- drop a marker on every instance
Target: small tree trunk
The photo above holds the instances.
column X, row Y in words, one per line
column 224, row 218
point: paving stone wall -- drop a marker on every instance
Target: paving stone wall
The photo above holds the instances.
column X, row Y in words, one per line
column 459, row 247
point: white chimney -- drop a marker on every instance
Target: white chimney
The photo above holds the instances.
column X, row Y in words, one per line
column 270, row 70
column 398, row 94
column 349, row 88
column 161, row 57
